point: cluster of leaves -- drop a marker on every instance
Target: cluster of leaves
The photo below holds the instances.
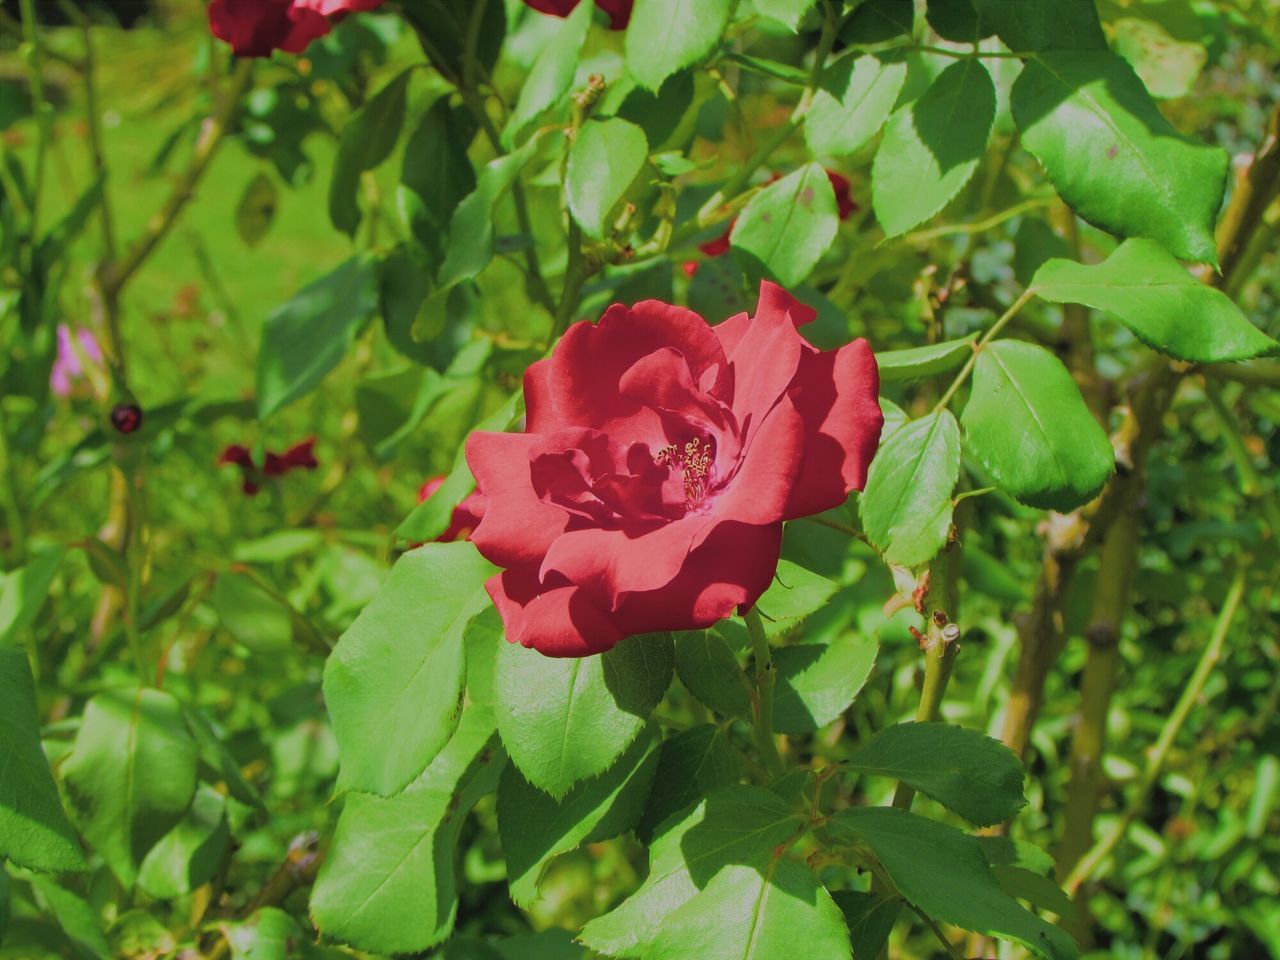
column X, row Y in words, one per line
column 499, row 174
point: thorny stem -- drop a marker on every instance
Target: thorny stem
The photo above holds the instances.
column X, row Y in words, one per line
column 1209, row 658
column 766, row 674
column 987, row 337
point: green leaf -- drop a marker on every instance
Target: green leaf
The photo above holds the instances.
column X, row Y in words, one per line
column 4, row 904
column 665, row 36
column 256, row 210
column 876, row 21
column 388, row 884
column 736, row 825
column 1113, row 156
column 1033, row 25
column 942, row 872
column 270, row 934
column 787, row 12
column 785, row 229
column 932, row 146
column 1155, row 297
column 795, row 594
column 870, row 918
column 534, row 827
column 852, row 102
column 131, row 774
column 402, row 665
column 916, row 363
column 748, row 914
column 251, row 615
column 694, row 763
column 709, row 668
column 367, row 140
column 189, row 854
column 957, row 20
column 606, row 156
column 34, row 830
column 552, row 74
column 906, row 506
column 308, row 336
column 216, row 760
column 78, row 920
column 564, row 720
column 436, row 173
column 23, row 593
column 1028, row 425
column 964, row 770
column 818, row 681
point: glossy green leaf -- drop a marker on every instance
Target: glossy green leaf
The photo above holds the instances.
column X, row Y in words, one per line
column 1154, row 296
column 606, row 156
column 942, row 872
column 34, row 830
column 78, row 920
column 402, row 665
column 131, row 774
column 709, row 668
column 916, row 363
column 748, row 914
column 787, row 12
column 852, row 102
column 534, row 827
column 436, row 173
column 870, row 918
column 932, row 146
column 1113, row 156
column 795, row 594
column 307, row 337
column 1027, row 423
column 876, row 21
column 23, row 593
column 367, row 140
column 189, row 854
column 388, row 883
column 694, row 763
column 957, row 20
column 665, row 36
column 566, row 719
column 270, row 934
column 906, row 506
column 1035, row 25
column 216, row 762
column 964, row 770
column 817, row 682
column 785, row 229
column 736, row 825
column 552, row 74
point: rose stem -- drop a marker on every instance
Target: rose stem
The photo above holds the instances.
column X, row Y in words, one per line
column 763, row 699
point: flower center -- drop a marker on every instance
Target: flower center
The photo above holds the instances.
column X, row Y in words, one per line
column 693, row 460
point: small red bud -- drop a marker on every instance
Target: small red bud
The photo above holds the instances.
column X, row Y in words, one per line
column 126, row 417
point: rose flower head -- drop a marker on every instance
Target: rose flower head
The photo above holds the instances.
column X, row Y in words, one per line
column 660, row 458
column 255, row 28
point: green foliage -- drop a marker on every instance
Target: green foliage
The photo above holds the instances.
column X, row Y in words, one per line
column 852, row 103
column 606, row 156
column 666, row 36
column 787, row 226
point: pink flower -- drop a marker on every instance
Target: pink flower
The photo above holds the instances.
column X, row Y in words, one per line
column 660, row 459
column 69, row 372
column 255, row 28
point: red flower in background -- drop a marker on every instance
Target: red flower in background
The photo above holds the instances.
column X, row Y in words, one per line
column 466, row 515
column 300, row 456
column 619, row 11
column 254, row 28
column 660, row 458
column 845, row 206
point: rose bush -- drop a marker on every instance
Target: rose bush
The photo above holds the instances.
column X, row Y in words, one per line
column 255, row 28
column 660, row 458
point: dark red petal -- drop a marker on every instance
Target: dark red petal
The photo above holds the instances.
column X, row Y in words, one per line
column 844, row 203
column 720, row 245
column 559, row 622
column 836, row 393
column 254, row 28
column 769, row 468
column 556, row 8
column 619, row 12
column 590, row 360
column 732, row 567
column 331, row 8
column 301, row 456
column 517, row 526
column 235, row 453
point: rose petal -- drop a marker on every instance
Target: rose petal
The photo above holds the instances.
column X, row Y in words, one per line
column 539, row 408
column 256, row 27
column 560, row 622
column 517, row 526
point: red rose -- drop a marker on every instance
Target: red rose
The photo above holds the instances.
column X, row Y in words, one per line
column 466, row 515
column 660, row 458
column 619, row 11
column 301, row 456
column 256, row 27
